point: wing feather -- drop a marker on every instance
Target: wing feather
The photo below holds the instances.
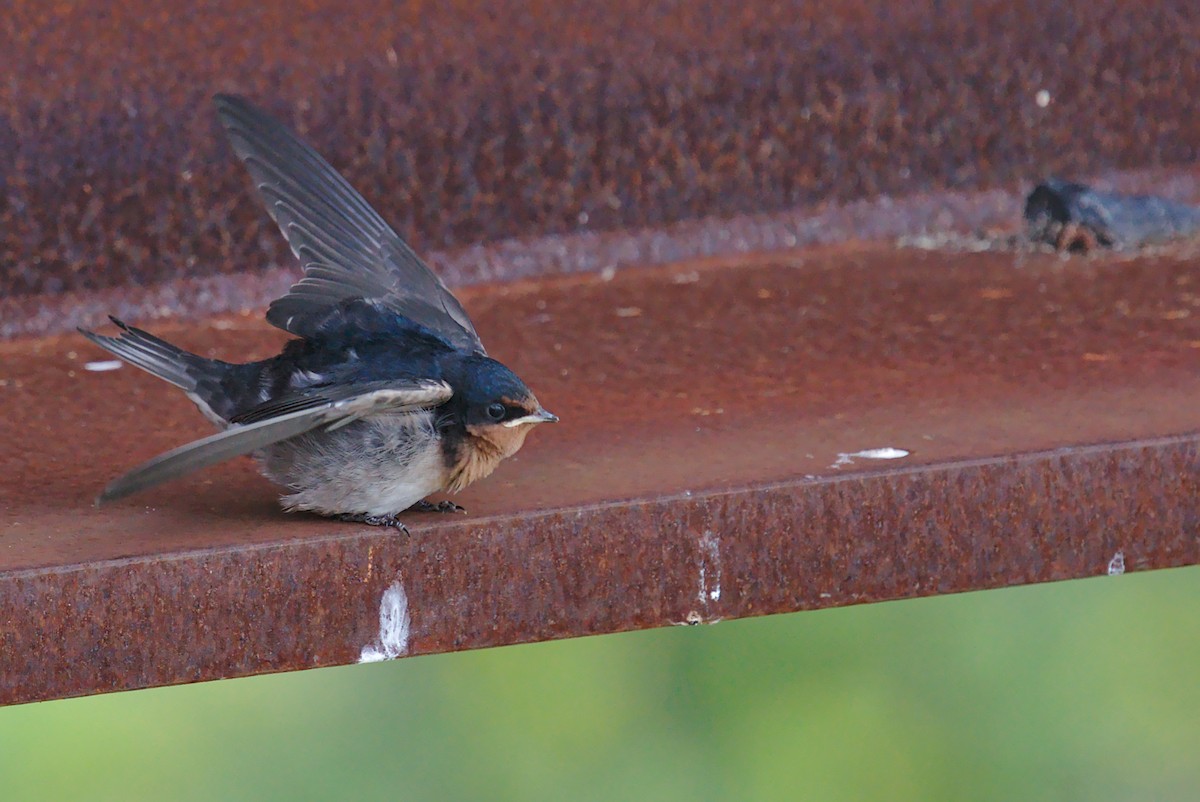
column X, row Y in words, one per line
column 346, row 249
column 245, row 438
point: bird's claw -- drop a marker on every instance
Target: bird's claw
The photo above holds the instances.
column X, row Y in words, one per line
column 441, row 506
column 374, row 520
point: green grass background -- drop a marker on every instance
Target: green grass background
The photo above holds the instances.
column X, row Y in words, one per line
column 1079, row 690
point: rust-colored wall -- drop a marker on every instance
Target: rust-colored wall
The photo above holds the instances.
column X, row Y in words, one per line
column 471, row 121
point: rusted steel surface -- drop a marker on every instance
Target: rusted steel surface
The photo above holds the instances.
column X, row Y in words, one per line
column 1048, row 405
column 946, row 213
column 465, row 124
column 970, row 221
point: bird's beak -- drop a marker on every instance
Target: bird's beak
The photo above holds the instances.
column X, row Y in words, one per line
column 541, row 416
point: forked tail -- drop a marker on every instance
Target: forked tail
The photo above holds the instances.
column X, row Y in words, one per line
column 202, row 379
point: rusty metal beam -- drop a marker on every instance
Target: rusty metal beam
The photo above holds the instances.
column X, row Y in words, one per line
column 553, row 117
column 699, row 474
column 712, row 406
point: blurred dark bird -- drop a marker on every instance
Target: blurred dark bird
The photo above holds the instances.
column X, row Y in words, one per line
column 1076, row 217
column 386, row 396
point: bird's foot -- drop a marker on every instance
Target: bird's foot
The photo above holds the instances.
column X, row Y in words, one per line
column 441, row 506
column 1076, row 238
column 374, row 520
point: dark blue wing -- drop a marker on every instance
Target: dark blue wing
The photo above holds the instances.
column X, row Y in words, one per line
column 345, row 247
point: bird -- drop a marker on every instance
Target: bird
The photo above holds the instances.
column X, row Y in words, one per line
column 384, row 395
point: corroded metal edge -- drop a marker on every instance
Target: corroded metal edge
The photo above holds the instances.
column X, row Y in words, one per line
column 777, row 548
column 536, row 257
column 949, row 220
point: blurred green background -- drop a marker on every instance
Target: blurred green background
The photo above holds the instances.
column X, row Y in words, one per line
column 1077, row 690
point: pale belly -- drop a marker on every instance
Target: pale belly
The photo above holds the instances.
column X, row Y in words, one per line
column 377, row 466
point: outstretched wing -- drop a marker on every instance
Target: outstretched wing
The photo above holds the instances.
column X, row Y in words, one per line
column 315, row 412
column 345, row 247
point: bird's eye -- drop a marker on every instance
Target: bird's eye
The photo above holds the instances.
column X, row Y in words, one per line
column 496, row 411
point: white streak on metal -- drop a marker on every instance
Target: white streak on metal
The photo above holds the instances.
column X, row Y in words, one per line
column 710, row 568
column 886, row 452
column 394, row 626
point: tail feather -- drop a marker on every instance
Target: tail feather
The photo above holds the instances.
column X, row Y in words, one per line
column 153, row 355
column 213, row 385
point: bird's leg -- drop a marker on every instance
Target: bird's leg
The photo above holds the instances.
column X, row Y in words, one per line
column 373, row 520
column 441, row 506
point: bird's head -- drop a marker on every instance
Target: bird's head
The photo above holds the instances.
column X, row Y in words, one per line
column 500, row 409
